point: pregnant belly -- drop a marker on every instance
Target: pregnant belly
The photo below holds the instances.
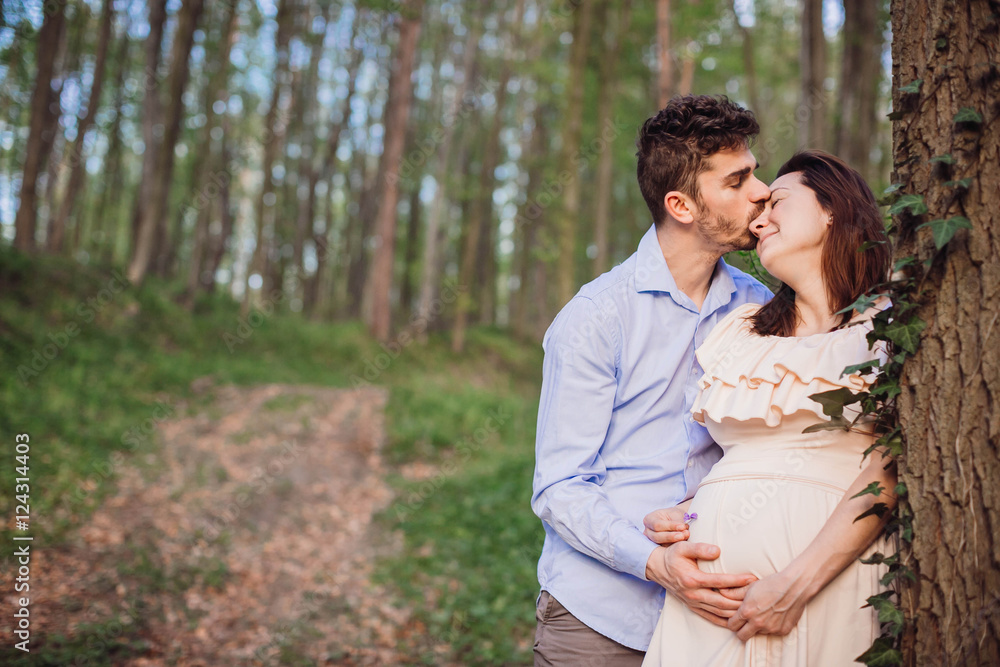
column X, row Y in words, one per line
column 760, row 524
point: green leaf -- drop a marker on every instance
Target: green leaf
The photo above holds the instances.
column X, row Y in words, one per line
column 900, row 489
column 892, row 188
column 833, row 402
column 869, row 244
column 968, row 115
column 874, row 488
column 912, row 87
column 878, row 509
column 915, row 203
column 944, row 230
column 946, row 159
column 906, row 335
column 875, row 559
column 960, row 183
column 862, row 303
column 888, row 389
column 836, row 424
column 903, row 262
column 895, row 115
column 881, row 654
column 857, row 368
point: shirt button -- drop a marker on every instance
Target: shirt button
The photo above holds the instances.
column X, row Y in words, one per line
column 690, row 464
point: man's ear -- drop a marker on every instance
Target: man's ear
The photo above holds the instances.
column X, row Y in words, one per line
column 679, row 206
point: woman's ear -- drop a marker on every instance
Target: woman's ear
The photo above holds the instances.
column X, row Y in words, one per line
column 679, row 207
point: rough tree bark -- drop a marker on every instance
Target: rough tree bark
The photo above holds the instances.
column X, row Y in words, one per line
column 949, row 407
column 42, row 126
column 397, row 111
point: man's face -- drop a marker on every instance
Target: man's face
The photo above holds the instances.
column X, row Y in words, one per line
column 730, row 198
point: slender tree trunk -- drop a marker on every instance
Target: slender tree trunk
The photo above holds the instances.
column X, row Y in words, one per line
column 433, row 237
column 397, row 112
column 530, row 219
column 217, row 242
column 78, row 171
column 859, row 79
column 410, row 255
column 812, row 133
column 616, row 29
column 568, row 217
column 948, row 406
column 665, row 81
column 42, row 128
column 750, row 69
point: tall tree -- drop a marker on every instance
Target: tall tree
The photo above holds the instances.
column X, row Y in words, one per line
column 570, row 210
column 812, row 132
column 78, row 172
column 43, row 125
column 480, row 226
column 946, row 83
column 266, row 198
column 616, row 28
column 861, row 68
column 665, row 78
column 431, row 272
column 153, row 212
column 397, row 112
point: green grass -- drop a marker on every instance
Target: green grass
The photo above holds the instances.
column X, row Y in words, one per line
column 471, row 540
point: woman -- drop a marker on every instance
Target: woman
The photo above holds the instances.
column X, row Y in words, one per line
column 768, row 503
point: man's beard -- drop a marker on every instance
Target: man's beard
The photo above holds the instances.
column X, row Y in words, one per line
column 728, row 233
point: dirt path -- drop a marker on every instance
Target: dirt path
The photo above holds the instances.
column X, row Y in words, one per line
column 246, row 539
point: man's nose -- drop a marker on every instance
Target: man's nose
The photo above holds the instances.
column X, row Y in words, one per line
column 759, row 192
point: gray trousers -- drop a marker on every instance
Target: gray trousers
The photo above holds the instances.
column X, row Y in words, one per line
column 562, row 640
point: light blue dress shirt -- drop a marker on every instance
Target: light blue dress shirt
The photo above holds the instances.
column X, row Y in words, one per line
column 615, row 437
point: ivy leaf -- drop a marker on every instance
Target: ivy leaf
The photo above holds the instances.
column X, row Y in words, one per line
column 862, row 303
column 874, row 488
column 906, row 336
column 968, row 115
column 960, row 183
column 833, row 402
column 900, row 489
column 944, row 230
column 903, row 262
column 892, row 188
column 876, row 558
column 913, row 202
column 878, row 509
column 912, row 87
column 836, row 424
column 895, row 115
column 864, row 365
column 881, row 654
column 946, row 159
column 889, row 389
column 869, row 244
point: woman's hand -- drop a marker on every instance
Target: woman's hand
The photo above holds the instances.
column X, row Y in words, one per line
column 772, row 606
column 667, row 526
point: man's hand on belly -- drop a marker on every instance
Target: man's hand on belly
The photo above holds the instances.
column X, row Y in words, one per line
column 676, row 569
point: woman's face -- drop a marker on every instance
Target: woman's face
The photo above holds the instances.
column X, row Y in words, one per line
column 791, row 230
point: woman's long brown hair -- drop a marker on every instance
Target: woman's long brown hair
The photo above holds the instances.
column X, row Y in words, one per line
column 848, row 270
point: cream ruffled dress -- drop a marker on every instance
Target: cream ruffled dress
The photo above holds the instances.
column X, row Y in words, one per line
column 773, row 490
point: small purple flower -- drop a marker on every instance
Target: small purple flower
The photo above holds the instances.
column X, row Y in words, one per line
column 690, row 517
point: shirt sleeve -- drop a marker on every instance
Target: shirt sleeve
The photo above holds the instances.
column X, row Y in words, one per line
column 579, row 383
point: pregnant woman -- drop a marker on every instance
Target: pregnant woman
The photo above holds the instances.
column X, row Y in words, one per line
column 769, row 503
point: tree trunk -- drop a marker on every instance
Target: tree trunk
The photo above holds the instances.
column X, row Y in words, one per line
column 948, row 407
column 859, row 80
column 397, row 111
column 665, row 81
column 617, row 28
column 812, row 132
column 410, row 255
column 433, row 237
column 750, row 69
column 153, row 216
column 78, row 171
column 42, row 128
column 568, row 217
column 529, row 220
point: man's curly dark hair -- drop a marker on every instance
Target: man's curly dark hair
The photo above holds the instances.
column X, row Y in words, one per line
column 673, row 146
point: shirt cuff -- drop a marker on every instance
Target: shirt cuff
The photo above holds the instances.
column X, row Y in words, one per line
column 633, row 552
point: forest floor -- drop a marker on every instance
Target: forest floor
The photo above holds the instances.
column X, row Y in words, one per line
column 247, row 538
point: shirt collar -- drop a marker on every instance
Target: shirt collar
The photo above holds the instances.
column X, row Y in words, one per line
column 653, row 275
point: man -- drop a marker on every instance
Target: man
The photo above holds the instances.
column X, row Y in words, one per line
column 615, row 437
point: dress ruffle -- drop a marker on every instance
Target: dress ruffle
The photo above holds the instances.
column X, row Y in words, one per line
column 751, row 377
